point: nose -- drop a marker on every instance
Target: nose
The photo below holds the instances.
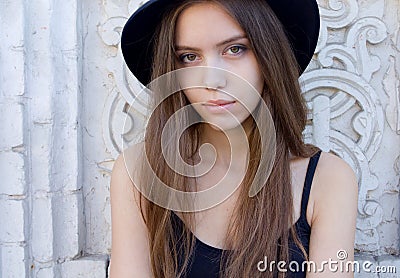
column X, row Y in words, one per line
column 214, row 78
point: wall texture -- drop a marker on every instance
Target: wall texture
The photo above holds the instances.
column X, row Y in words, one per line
column 64, row 96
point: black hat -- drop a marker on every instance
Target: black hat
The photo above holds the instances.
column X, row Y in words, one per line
column 300, row 19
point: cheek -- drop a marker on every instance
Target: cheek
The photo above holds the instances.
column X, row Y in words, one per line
column 191, row 95
column 250, row 71
column 257, row 80
column 253, row 75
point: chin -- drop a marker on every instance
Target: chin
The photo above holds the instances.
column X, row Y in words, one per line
column 225, row 126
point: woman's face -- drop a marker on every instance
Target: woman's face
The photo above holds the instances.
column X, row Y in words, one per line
column 208, row 36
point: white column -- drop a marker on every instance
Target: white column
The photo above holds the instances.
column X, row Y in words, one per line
column 42, row 231
column 13, row 159
column 52, row 48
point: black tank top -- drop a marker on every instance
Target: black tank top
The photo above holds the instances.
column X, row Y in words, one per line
column 205, row 260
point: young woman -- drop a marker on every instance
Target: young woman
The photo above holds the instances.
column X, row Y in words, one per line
column 305, row 210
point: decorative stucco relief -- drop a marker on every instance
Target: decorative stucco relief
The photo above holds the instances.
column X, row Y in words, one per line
column 349, row 118
column 128, row 102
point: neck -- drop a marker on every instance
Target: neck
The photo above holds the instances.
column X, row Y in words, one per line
column 226, row 142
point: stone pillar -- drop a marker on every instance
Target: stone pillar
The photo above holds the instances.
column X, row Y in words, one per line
column 14, row 192
column 41, row 202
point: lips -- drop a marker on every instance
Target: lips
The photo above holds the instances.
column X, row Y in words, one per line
column 219, row 102
column 219, row 106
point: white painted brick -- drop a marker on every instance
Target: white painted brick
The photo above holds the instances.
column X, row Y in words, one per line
column 86, row 267
column 45, row 272
column 42, row 229
column 66, row 70
column 98, row 226
column 65, row 173
column 39, row 59
column 11, row 124
column 12, row 264
column 12, row 175
column 68, row 224
column 40, row 157
column 12, row 221
column 11, row 48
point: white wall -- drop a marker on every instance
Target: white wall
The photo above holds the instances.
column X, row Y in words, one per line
column 63, row 95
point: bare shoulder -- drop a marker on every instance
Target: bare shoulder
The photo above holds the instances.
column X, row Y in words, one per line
column 123, row 174
column 124, row 179
column 331, row 165
column 335, row 186
column 333, row 175
column 127, row 161
column 129, row 232
column 333, row 224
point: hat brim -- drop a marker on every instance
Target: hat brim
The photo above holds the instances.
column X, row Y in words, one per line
column 300, row 19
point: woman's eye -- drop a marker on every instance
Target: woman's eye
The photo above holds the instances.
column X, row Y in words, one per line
column 188, row 58
column 236, row 49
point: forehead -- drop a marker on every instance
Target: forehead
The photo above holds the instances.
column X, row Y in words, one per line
column 205, row 23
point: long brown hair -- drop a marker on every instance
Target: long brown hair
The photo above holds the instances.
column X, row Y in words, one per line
column 259, row 225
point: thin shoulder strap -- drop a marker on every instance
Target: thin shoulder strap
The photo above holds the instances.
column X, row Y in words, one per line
column 312, row 165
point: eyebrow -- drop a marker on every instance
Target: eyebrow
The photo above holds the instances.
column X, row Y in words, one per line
column 232, row 39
